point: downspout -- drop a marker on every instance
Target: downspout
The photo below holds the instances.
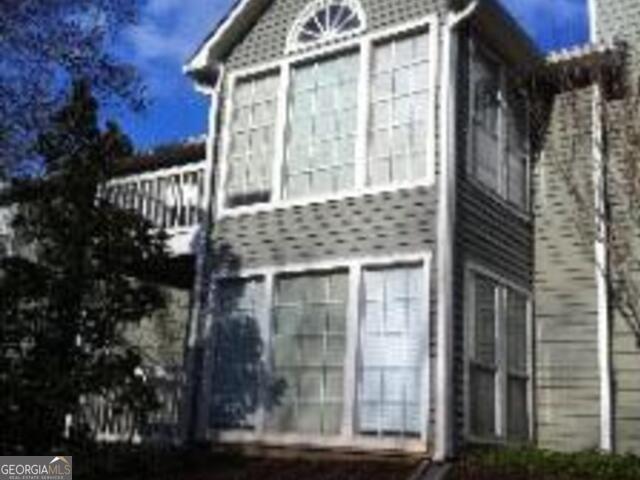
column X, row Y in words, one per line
column 444, row 424
column 195, row 405
column 601, row 253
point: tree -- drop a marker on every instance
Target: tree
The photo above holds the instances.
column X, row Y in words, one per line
column 44, row 46
column 66, row 305
column 599, row 166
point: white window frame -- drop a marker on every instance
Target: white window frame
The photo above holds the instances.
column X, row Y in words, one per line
column 364, row 44
column 349, row 436
column 477, row 48
column 293, row 45
column 473, row 269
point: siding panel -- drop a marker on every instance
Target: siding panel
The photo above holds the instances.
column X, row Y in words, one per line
column 266, row 40
column 567, row 376
column 620, row 19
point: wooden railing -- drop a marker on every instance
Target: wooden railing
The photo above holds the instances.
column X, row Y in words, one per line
column 110, row 425
column 172, row 198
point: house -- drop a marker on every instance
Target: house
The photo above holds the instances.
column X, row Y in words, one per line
column 391, row 264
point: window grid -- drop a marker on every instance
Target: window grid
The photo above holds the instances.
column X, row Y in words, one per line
column 357, row 175
column 324, row 21
column 321, row 134
column 484, row 357
column 309, row 341
column 390, row 352
column 498, row 391
column 237, row 373
column 252, row 140
column 398, row 110
column 499, row 131
column 339, row 290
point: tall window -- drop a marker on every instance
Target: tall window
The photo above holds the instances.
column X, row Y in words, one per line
column 237, row 352
column 517, row 366
column 399, row 98
column 252, row 141
column 392, row 336
column 309, row 324
column 344, row 123
column 499, row 134
column 321, row 136
column 517, row 150
column 499, row 374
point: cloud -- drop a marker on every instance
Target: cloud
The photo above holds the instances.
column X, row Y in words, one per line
column 171, row 29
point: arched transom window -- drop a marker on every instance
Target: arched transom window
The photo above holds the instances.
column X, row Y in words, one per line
column 324, row 21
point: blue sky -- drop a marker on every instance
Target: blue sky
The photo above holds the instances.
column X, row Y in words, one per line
column 170, row 30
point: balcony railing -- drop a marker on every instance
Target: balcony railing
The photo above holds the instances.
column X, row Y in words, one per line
column 172, row 199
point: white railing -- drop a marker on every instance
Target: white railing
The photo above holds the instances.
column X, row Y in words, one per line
column 110, row 425
column 170, row 198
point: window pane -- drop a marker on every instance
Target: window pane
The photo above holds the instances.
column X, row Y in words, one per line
column 482, row 370
column 482, row 401
column 322, row 127
column 309, row 320
column 237, row 354
column 486, row 112
column 393, row 339
column 517, row 410
column 252, row 141
column 517, row 332
column 398, row 110
column 485, row 321
column 517, row 150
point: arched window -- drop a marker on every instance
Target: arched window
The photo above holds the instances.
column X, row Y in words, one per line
column 324, row 21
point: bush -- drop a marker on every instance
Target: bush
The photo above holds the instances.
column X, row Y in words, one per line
column 529, row 463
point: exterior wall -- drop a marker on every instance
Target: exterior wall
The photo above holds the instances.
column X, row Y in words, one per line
column 620, row 19
column 568, row 381
column 267, row 39
column 488, row 232
column 373, row 225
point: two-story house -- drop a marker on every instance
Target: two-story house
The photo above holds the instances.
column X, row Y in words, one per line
column 372, row 191
column 393, row 262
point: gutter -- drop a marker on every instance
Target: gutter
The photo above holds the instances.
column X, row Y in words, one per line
column 444, row 425
column 194, row 422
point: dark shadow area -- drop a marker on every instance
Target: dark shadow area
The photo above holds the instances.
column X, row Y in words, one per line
column 235, row 383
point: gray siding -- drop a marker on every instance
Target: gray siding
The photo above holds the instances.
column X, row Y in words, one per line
column 488, row 232
column 620, row 19
column 267, row 38
column 567, row 393
column 394, row 222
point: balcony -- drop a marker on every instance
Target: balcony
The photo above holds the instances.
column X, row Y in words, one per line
column 170, row 198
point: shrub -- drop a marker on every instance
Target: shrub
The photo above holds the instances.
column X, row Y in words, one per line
column 529, row 463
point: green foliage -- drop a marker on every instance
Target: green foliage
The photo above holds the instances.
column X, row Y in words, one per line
column 68, row 300
column 530, row 463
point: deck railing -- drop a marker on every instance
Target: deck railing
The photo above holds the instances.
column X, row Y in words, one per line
column 172, row 198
